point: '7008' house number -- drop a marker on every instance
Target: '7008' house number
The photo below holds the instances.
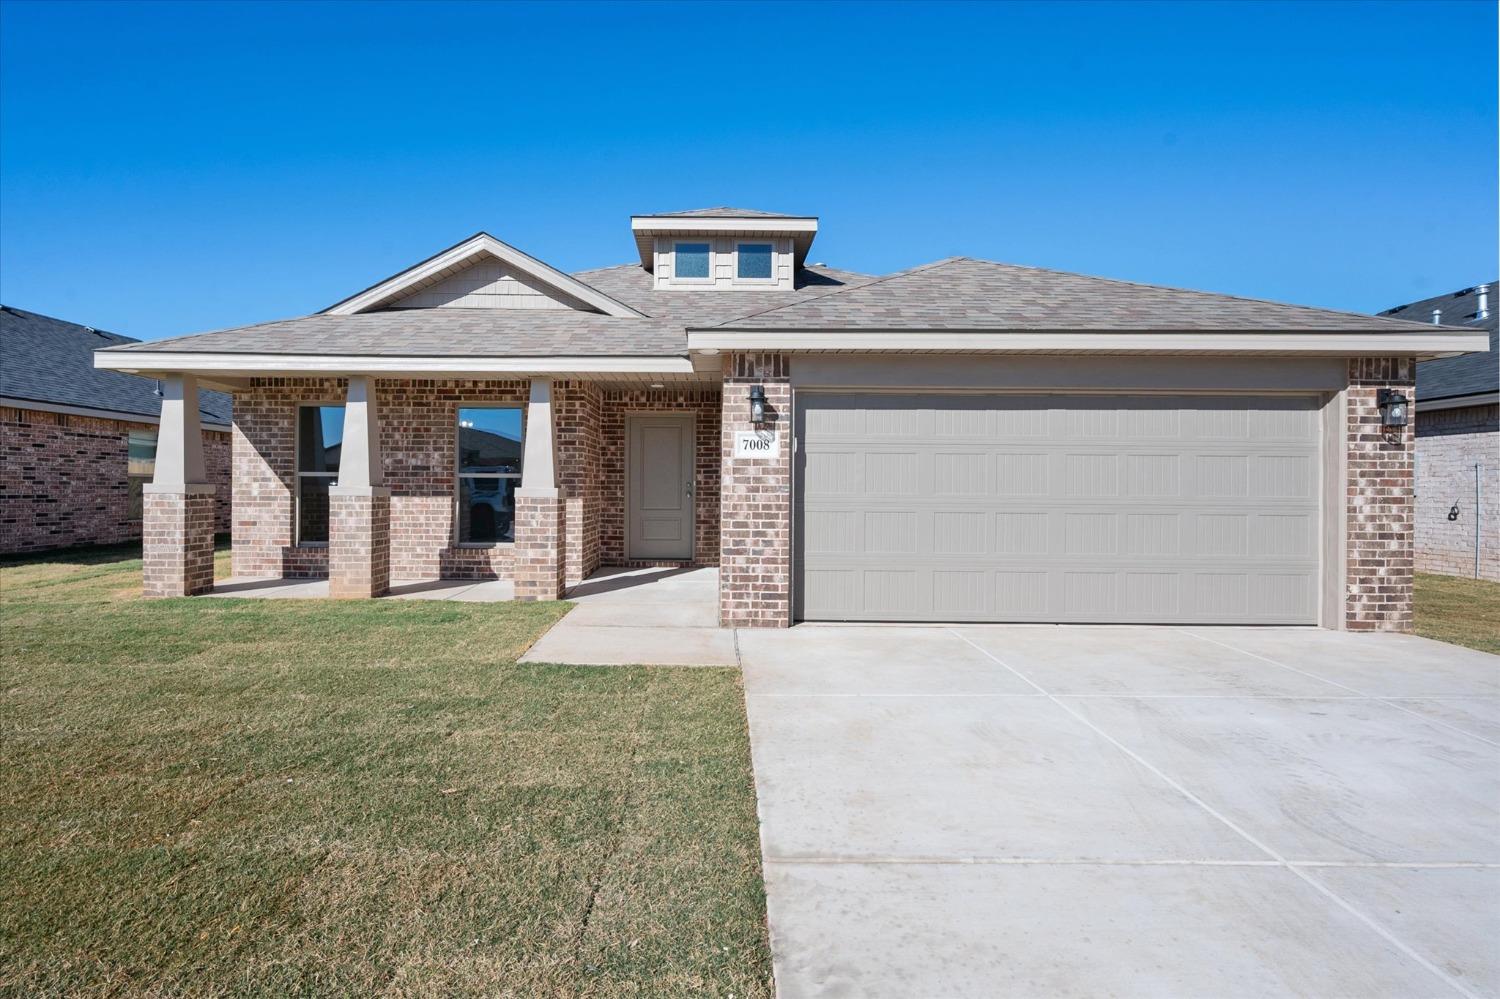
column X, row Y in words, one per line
column 757, row 444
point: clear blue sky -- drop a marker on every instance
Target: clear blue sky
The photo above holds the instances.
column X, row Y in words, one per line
column 172, row 168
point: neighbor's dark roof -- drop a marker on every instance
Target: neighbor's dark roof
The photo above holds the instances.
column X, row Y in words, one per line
column 51, row 360
column 724, row 212
column 443, row 333
column 964, row 293
column 1466, row 374
column 632, row 284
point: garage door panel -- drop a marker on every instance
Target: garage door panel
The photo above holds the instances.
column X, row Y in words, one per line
column 1057, row 508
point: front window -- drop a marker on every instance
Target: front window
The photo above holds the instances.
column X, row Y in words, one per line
column 692, row 260
column 753, row 261
column 489, row 470
column 320, row 436
column 140, row 467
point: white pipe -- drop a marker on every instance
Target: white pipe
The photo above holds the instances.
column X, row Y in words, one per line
column 1437, row 317
column 1483, row 312
column 1478, row 520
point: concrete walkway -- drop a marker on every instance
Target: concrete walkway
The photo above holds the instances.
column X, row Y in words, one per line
column 663, row 617
column 1155, row 812
column 465, row 590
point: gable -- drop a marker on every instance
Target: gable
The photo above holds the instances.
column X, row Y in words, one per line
column 487, row 283
column 520, row 276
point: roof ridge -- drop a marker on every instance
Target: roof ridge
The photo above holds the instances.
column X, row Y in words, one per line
column 930, row 265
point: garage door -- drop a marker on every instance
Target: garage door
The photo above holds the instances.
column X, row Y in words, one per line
column 1082, row 508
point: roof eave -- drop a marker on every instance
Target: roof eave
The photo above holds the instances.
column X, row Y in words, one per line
column 1336, row 343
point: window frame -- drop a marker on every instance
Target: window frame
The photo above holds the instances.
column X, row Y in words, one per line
column 459, row 475
column 677, row 277
column 738, row 279
column 135, row 499
column 298, row 474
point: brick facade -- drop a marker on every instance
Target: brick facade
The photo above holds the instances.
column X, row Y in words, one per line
column 618, row 404
column 63, row 480
column 178, row 542
column 577, row 413
column 755, row 553
column 1450, row 443
column 359, row 542
column 1379, row 494
column 539, row 549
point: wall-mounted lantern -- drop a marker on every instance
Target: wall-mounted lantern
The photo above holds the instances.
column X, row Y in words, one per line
column 757, row 404
column 1393, row 408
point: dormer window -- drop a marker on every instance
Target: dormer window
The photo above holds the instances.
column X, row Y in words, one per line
column 753, row 261
column 692, row 261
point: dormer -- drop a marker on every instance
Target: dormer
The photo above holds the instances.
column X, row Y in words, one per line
column 723, row 249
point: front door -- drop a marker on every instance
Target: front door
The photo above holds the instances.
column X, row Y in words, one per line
column 660, row 497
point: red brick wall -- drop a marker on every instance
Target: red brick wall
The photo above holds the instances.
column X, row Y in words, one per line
column 578, row 409
column 755, row 554
column 1380, row 500
column 418, row 442
column 704, row 405
column 178, row 544
column 63, row 480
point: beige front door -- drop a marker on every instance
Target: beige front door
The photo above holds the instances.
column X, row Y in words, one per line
column 660, row 501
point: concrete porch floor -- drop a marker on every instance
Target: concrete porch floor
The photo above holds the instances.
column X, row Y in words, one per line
column 480, row 591
column 659, row 616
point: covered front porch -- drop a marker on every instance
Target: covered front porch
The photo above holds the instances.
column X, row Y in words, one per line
column 364, row 484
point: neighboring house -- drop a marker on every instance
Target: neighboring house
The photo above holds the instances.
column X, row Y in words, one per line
column 1458, row 442
column 961, row 441
column 76, row 443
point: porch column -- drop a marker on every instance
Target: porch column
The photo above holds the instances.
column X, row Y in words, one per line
column 177, row 527
column 540, row 511
column 359, row 506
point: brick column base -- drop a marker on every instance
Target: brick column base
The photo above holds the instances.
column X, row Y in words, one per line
column 359, row 542
column 539, row 563
column 177, row 540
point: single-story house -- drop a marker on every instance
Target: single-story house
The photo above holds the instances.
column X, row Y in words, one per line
column 961, row 441
column 78, row 443
column 1458, row 441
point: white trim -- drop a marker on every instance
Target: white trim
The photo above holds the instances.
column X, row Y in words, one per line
column 734, row 263
column 1422, row 344
column 343, row 364
column 677, row 278
column 483, row 243
column 1457, row 401
column 98, row 414
column 725, row 224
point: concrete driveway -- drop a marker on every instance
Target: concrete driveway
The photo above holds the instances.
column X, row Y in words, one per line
column 1045, row 811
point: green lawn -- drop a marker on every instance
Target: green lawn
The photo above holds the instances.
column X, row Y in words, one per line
column 1458, row 610
column 266, row 797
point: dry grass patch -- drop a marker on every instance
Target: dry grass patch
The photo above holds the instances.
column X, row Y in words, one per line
column 1458, row 610
column 275, row 797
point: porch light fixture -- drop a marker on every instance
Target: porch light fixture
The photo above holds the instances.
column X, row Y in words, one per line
column 1393, row 407
column 757, row 404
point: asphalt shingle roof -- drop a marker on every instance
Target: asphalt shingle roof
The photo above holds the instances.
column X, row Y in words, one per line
column 963, row 293
column 43, row 359
column 443, row 333
column 1466, row 374
column 632, row 284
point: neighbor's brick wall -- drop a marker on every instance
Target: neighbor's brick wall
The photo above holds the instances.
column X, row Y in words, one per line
column 755, row 554
column 63, row 480
column 1380, row 500
column 1450, row 442
column 704, row 405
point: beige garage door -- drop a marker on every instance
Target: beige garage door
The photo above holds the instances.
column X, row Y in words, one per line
column 1081, row 508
